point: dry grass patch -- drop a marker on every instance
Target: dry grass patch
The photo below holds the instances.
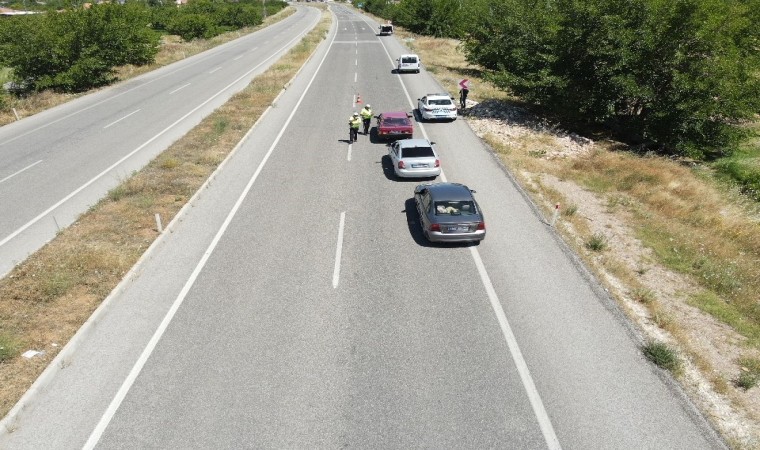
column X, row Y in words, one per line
column 47, row 298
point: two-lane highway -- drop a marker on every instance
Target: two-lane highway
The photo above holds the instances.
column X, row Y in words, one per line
column 298, row 306
column 54, row 165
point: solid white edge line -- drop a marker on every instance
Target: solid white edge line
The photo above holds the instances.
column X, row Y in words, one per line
column 542, row 416
column 96, row 434
column 179, row 88
column 130, row 154
column 544, row 422
column 20, row 171
column 119, row 120
column 339, row 250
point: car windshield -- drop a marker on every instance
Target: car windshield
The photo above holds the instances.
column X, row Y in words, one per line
column 459, row 208
column 416, row 152
column 395, row 121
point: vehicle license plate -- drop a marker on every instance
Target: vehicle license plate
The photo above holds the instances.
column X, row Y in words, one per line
column 395, row 132
column 417, row 166
column 458, row 229
column 439, row 111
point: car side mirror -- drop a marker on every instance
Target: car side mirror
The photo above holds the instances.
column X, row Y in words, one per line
column 432, row 143
column 409, row 115
column 473, row 191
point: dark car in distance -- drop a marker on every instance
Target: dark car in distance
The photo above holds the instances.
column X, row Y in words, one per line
column 394, row 125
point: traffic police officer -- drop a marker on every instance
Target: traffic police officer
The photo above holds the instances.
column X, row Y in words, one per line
column 353, row 128
column 366, row 114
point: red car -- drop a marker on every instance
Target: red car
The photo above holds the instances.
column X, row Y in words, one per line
column 394, row 125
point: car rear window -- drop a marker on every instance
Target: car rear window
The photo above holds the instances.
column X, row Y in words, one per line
column 416, row 152
column 440, row 101
column 458, row 208
column 409, row 60
column 395, row 121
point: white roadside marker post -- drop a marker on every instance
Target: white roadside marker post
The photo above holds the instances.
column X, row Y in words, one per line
column 555, row 215
column 159, row 226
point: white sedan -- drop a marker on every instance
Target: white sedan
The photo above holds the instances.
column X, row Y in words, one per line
column 437, row 106
column 414, row 158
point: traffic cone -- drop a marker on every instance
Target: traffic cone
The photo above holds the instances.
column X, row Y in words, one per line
column 358, row 99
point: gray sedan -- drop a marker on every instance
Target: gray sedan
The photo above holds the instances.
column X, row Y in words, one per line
column 449, row 213
column 414, row 158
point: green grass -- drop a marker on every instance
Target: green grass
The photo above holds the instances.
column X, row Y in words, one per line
column 689, row 257
column 597, row 242
column 738, row 316
column 8, row 347
column 743, row 170
column 663, row 356
column 750, row 373
column 643, row 295
column 570, row 210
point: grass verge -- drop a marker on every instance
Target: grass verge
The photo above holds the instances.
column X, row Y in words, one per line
column 50, row 295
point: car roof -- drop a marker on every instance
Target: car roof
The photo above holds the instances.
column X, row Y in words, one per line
column 408, row 54
column 405, row 143
column 403, row 114
column 439, row 95
column 449, row 191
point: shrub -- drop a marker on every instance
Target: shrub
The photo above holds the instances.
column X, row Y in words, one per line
column 662, row 355
column 750, row 373
column 597, row 242
column 192, row 26
column 76, row 50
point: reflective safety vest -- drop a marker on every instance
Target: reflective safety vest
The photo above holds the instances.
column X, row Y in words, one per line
column 366, row 113
column 354, row 122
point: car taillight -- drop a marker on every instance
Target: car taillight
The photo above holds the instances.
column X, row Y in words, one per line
column 401, row 165
column 437, row 163
column 481, row 225
column 435, row 227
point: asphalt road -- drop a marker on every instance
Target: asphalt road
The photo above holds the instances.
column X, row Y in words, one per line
column 296, row 305
column 55, row 164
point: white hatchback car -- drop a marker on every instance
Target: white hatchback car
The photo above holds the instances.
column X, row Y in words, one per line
column 437, row 106
column 408, row 63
